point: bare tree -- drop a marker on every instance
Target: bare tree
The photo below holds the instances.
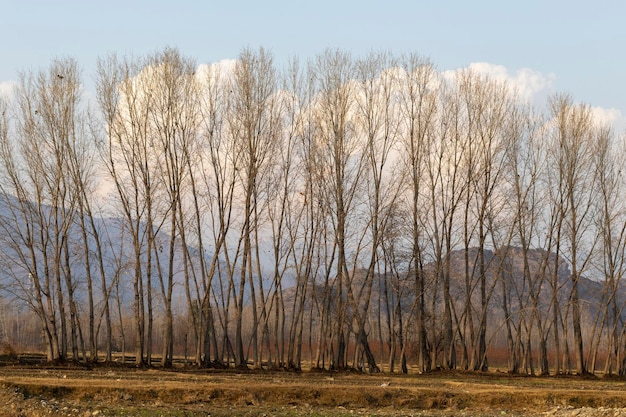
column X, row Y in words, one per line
column 525, row 159
column 611, row 241
column 125, row 104
column 487, row 104
column 377, row 120
column 341, row 152
column 573, row 150
column 254, row 123
column 173, row 126
column 419, row 110
column 40, row 195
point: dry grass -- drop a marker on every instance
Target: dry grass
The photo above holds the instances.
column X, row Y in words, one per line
column 129, row 391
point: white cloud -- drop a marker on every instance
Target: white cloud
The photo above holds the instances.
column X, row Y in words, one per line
column 531, row 85
column 535, row 87
column 6, row 87
column 224, row 67
column 528, row 82
column 603, row 115
column 611, row 117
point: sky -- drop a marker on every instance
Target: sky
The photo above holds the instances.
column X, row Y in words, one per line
column 575, row 47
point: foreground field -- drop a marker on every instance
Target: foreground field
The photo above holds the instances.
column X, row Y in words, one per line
column 120, row 391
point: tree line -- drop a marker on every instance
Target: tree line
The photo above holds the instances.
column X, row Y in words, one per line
column 339, row 213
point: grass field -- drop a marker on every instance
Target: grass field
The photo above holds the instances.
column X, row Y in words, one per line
column 70, row 390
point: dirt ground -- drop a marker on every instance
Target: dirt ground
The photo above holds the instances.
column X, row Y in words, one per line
column 38, row 390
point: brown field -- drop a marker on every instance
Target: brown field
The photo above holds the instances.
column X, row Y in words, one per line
column 73, row 390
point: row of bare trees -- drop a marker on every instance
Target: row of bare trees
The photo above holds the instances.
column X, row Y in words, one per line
column 364, row 212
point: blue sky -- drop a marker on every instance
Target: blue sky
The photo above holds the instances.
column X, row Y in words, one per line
column 578, row 45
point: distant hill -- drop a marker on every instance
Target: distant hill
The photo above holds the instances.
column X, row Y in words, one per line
column 504, row 272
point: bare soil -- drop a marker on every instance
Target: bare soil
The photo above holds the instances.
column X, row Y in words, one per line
column 73, row 390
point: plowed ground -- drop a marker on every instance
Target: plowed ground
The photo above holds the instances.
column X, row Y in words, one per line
column 71, row 390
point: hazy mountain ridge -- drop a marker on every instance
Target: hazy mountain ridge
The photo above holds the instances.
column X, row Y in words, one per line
column 504, row 272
